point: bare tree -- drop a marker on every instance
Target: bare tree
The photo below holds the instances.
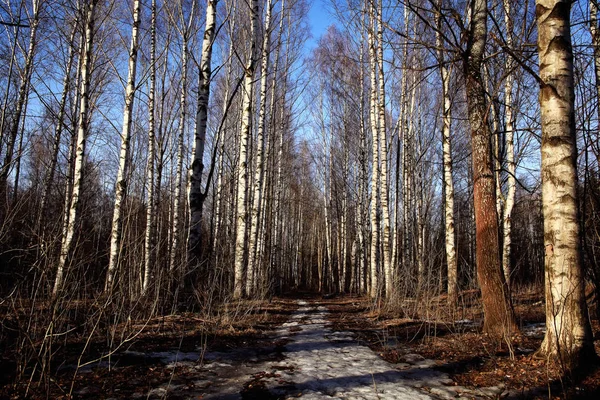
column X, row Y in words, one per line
column 124, row 158
column 82, row 131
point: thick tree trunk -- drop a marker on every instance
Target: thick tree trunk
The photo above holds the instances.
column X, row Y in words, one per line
column 568, row 334
column 123, row 174
column 242, row 168
column 196, row 195
column 82, row 130
column 499, row 320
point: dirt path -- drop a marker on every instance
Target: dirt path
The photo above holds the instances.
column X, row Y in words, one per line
column 309, row 361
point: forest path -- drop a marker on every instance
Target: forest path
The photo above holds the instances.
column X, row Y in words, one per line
column 319, row 363
column 308, row 360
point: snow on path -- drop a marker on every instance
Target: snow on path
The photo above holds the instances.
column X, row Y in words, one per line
column 330, row 364
column 315, row 363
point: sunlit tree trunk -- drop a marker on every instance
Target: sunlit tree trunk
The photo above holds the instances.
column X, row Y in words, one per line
column 510, row 147
column 375, row 182
column 448, row 180
column 123, row 174
column 242, row 168
column 177, row 200
column 259, row 173
column 82, row 130
column 499, row 320
column 568, row 336
column 149, row 237
column 384, row 186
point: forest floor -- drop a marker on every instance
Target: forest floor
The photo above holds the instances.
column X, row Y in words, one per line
column 316, row 348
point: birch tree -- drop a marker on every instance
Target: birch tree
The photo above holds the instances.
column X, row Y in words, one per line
column 447, row 160
column 510, row 146
column 196, row 195
column 149, row 237
column 124, row 158
column 68, row 233
column 375, row 182
column 258, row 176
column 242, row 167
column 568, row 336
column 185, row 32
column 20, row 108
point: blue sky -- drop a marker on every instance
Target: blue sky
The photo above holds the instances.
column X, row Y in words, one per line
column 320, row 18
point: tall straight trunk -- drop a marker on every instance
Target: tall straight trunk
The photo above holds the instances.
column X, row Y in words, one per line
column 177, row 201
column 242, row 168
column 222, row 140
column 384, row 185
column 568, row 338
column 20, row 106
column 49, row 178
column 499, row 320
column 510, row 147
column 258, row 176
column 124, row 161
column 375, row 258
column 196, row 196
column 82, row 130
column 150, row 234
column 448, row 180
column 374, row 289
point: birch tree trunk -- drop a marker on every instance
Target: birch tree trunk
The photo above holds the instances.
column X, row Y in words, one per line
column 196, row 196
column 448, row 180
column 82, row 130
column 568, row 336
column 242, row 168
column 258, row 176
column 384, row 186
column 149, row 238
column 20, row 106
column 180, row 155
column 499, row 320
column 374, row 289
column 123, row 174
column 510, row 147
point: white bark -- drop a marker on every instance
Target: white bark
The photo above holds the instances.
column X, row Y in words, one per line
column 448, row 179
column 258, row 176
column 82, row 129
column 21, row 102
column 242, row 168
column 149, row 237
column 510, row 146
column 384, row 187
column 122, row 175
column 374, row 289
column 568, row 338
